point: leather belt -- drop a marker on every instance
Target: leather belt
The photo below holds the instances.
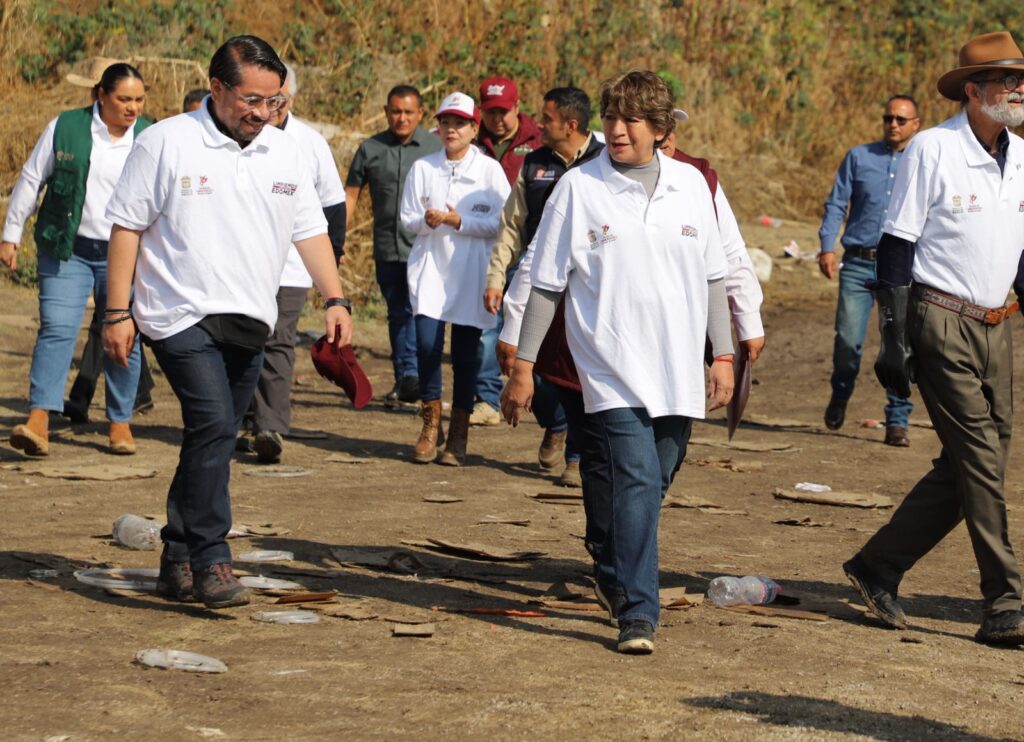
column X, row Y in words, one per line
column 867, row 253
column 965, row 308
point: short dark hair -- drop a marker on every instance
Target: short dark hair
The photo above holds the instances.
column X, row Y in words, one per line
column 572, row 103
column 641, row 94
column 405, row 91
column 113, row 74
column 904, row 96
column 226, row 63
column 193, row 97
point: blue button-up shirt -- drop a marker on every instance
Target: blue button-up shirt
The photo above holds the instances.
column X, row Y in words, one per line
column 864, row 184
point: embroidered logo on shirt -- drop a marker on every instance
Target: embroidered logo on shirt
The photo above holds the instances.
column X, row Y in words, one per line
column 543, row 174
column 186, row 185
column 65, row 156
column 481, row 208
column 592, row 236
column 285, row 189
column 523, row 149
column 958, row 205
column 607, row 236
column 689, row 231
column 424, row 200
column 204, row 189
column 974, row 207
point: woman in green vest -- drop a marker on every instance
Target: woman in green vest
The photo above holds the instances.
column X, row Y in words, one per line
column 78, row 159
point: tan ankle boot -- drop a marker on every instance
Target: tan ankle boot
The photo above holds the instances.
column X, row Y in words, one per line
column 33, row 437
column 426, row 446
column 121, row 441
column 458, row 435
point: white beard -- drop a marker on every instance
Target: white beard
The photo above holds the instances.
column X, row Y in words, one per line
column 1003, row 113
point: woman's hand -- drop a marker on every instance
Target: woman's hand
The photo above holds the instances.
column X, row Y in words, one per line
column 435, row 218
column 721, row 383
column 517, row 396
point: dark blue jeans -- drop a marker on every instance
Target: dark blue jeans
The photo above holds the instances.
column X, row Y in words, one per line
column 394, row 286
column 465, row 360
column 852, row 314
column 214, row 384
column 488, row 380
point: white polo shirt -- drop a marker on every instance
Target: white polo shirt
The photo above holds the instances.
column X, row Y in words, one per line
column 636, row 274
column 106, row 160
column 217, row 220
column 966, row 218
column 328, row 189
column 448, row 267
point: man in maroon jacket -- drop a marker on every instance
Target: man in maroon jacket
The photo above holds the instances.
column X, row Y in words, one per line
column 508, row 136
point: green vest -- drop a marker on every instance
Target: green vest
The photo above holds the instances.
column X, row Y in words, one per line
column 61, row 212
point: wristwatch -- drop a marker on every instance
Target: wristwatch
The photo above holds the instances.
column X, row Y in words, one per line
column 338, row 302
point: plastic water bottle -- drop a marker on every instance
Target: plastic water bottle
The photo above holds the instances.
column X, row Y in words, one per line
column 725, row 591
column 136, row 532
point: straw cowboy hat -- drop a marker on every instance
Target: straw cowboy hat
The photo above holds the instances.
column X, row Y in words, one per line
column 97, row 66
column 992, row 51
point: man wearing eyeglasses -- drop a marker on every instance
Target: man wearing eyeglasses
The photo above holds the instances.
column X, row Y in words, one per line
column 951, row 249
column 205, row 212
column 861, row 196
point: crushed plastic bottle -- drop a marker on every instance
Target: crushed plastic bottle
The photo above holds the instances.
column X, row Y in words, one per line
column 177, row 659
column 285, row 617
column 726, row 591
column 769, row 221
column 135, row 532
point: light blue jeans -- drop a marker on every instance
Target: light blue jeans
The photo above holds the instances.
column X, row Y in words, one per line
column 64, row 288
column 852, row 313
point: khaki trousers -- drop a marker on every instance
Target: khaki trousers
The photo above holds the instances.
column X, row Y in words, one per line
column 965, row 375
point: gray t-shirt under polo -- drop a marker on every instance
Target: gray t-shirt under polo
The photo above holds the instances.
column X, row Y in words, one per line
column 382, row 162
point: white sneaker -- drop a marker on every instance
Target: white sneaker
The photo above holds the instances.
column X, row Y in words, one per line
column 484, row 414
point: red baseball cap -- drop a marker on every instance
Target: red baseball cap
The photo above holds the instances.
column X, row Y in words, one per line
column 498, row 92
column 339, row 365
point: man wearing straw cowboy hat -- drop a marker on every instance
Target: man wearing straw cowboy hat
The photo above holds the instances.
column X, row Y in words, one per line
column 949, row 253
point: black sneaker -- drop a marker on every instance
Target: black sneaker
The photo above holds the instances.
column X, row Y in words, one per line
column 268, row 446
column 835, row 413
column 175, row 581
column 613, row 610
column 636, row 637
column 391, row 398
column 1002, row 629
column 877, row 598
column 408, row 390
column 217, row 587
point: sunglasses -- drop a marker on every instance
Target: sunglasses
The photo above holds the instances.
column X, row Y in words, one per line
column 900, row 120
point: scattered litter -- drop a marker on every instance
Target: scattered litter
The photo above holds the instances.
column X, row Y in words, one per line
column 401, row 562
column 811, row 487
column 762, row 263
column 422, row 631
column 176, row 659
column 840, row 499
column 442, row 499
column 562, row 591
column 136, row 532
column 258, row 582
column 494, row 520
column 676, row 598
column 590, row 606
column 476, row 551
column 793, row 250
column 769, row 221
column 350, row 611
column 285, row 617
column 42, row 574
column 911, row 640
column 513, row 612
column 872, row 424
column 922, row 424
column 241, row 530
column 288, row 672
column 775, row 612
column 140, row 580
column 92, row 472
column 806, row 521
column 347, row 458
column 326, row 597
column 672, row 501
column 281, row 471
column 728, row 464
column 208, row 732
column 558, row 498
column 764, row 421
column 412, row 617
column 753, row 447
column 265, row 555
column 297, row 434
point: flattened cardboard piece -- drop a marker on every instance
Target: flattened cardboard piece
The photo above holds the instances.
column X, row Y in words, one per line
column 476, row 551
column 806, row 522
column 511, row 612
column 677, row 598
column 242, row 530
column 442, row 499
column 588, row 606
column 421, row 631
column 90, row 472
column 496, row 520
column 840, row 499
column 400, row 561
column 325, row 597
column 413, row 618
column 347, row 458
column 297, row 434
column 766, row 421
column 726, row 464
column 752, row 447
column 674, row 501
column 768, row 610
column 559, row 498
column 349, row 611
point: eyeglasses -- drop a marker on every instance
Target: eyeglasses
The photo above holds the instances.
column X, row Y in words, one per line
column 273, row 103
column 1010, row 82
column 900, row 120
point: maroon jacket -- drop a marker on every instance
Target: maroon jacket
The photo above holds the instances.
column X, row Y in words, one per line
column 554, row 361
column 523, row 143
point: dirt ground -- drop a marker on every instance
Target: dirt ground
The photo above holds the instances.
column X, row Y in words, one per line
column 66, row 650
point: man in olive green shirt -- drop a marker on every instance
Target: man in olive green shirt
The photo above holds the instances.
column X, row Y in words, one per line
column 382, row 162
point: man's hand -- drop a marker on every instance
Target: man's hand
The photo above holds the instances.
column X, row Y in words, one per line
column 338, row 326
column 492, row 300
column 517, row 396
column 827, row 264
column 506, row 357
column 753, row 346
column 9, row 255
column 720, row 384
column 118, row 340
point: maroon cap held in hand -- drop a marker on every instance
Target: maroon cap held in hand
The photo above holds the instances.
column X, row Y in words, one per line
column 340, row 366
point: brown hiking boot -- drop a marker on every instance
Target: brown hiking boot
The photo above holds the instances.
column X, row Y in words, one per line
column 571, row 475
column 458, row 435
column 121, row 441
column 175, row 581
column 33, row 437
column 426, row 447
column 217, row 587
column 551, row 450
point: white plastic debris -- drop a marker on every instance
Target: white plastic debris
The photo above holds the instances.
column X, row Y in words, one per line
column 811, row 487
column 119, row 579
column 286, row 617
column 265, row 556
column 177, row 659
